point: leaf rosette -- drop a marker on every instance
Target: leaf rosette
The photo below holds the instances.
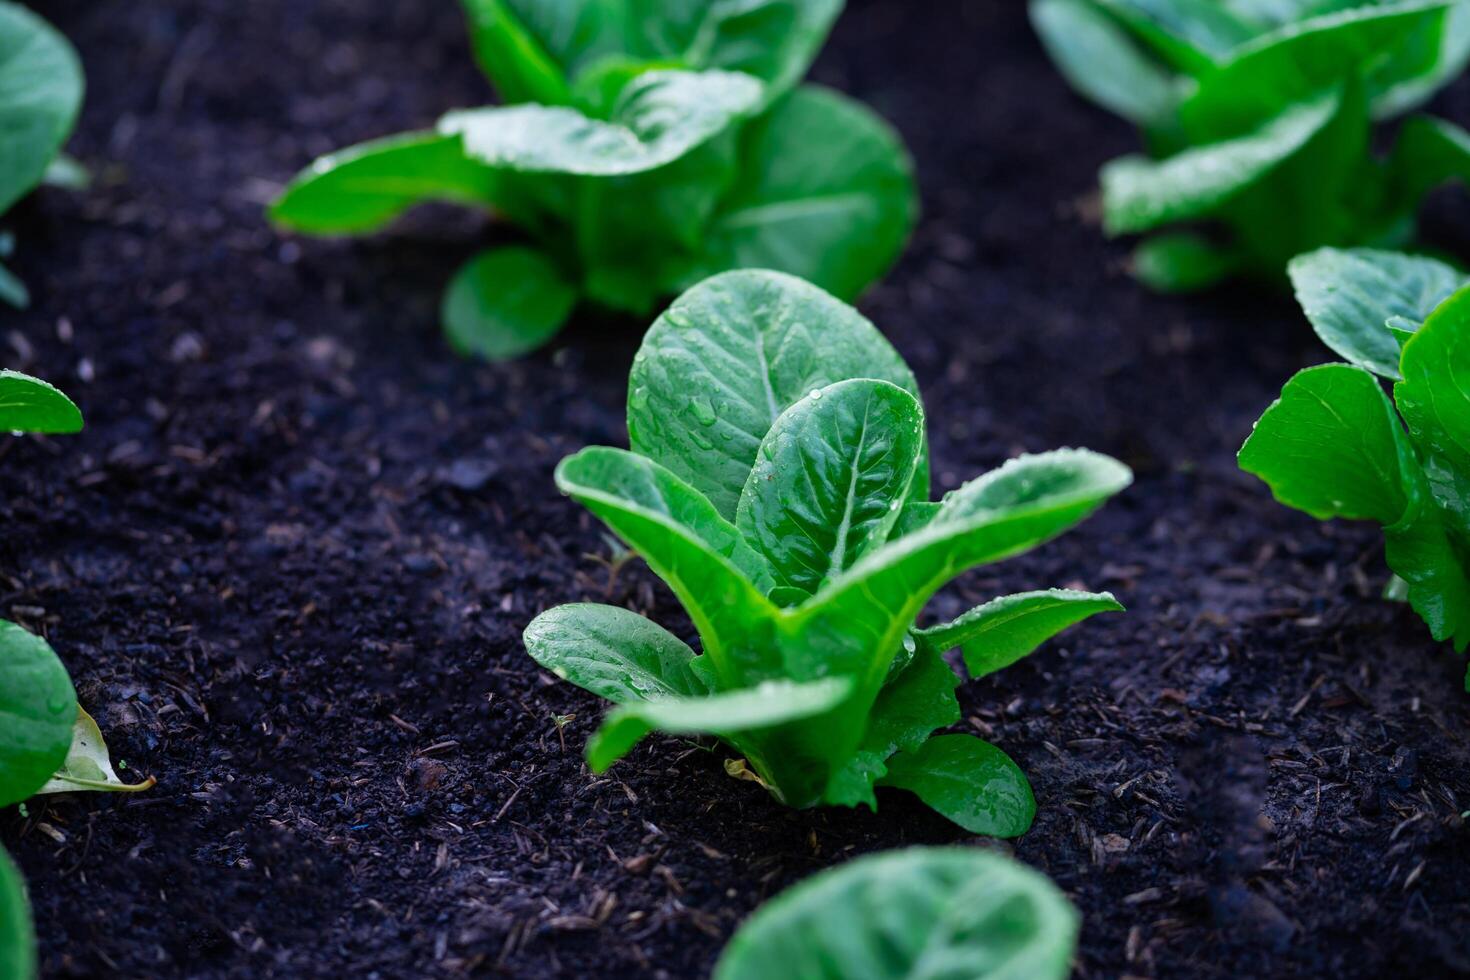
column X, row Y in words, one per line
column 1259, row 118
column 642, row 146
column 778, row 483
column 1336, row 445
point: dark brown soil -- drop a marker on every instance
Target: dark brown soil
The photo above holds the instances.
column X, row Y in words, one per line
column 289, row 560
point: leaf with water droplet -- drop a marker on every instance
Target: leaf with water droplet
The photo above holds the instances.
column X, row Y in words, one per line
column 758, row 342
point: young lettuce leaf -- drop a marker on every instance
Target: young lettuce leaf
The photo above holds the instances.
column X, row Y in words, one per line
column 38, row 709
column 1258, row 119
column 41, row 87
column 778, row 484
column 1335, row 445
column 920, row 912
column 17, row 934
column 643, row 146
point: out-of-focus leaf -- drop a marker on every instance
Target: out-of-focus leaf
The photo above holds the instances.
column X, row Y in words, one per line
column 506, row 302
column 927, row 913
column 40, row 95
column 17, row 935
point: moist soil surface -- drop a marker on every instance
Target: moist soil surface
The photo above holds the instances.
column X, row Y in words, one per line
column 289, row 560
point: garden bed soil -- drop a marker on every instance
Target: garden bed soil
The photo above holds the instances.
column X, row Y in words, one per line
column 289, row 560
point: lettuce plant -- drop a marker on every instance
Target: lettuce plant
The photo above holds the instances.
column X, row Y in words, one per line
column 643, row 146
column 1259, row 118
column 40, row 95
column 48, row 744
column 778, row 482
column 919, row 912
column 1335, row 445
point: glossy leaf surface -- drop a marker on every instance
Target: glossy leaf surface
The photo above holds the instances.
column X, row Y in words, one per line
column 1004, row 630
column 29, row 404
column 728, row 357
column 751, row 709
column 614, row 653
column 968, row 780
column 926, row 913
column 1350, row 296
column 829, row 479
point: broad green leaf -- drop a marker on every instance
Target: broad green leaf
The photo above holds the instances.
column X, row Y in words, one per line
column 12, row 290
column 871, row 606
column 1332, row 446
column 506, row 302
column 363, row 187
column 915, row 914
column 524, row 46
column 727, row 714
column 38, row 708
column 88, row 766
column 969, row 781
column 829, row 479
column 1140, row 194
column 1100, row 60
column 17, row 935
column 825, row 192
column 1295, row 63
column 612, row 652
column 1427, row 551
column 1434, row 399
column 1004, row 630
column 911, row 706
column 701, row 556
column 1183, row 262
column 660, row 116
column 728, row 357
column 1350, row 295
column 29, row 404
column 40, row 95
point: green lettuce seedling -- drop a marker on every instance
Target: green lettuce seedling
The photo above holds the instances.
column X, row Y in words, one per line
column 1259, row 118
column 642, row 147
column 920, row 912
column 1334, row 445
column 40, row 95
column 779, row 483
column 48, row 744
